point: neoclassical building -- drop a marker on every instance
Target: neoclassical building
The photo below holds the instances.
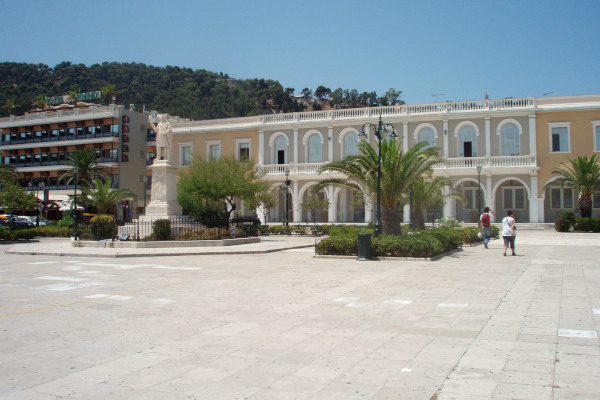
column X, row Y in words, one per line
column 510, row 139
column 516, row 142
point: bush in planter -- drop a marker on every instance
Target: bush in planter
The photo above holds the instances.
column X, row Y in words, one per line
column 469, row 235
column 5, row 233
column 338, row 245
column 53, row 231
column 565, row 221
column 587, row 225
column 101, row 227
column 161, row 229
column 495, row 232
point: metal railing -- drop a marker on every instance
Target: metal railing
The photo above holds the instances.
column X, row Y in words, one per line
column 179, row 228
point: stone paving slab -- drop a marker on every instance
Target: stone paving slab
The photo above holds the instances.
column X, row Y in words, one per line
column 286, row 325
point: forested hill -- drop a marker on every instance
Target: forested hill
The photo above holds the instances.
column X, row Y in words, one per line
column 196, row 94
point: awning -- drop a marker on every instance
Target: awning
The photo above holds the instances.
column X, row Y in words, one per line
column 67, row 206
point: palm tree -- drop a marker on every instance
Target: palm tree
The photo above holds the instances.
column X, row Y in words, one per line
column 583, row 176
column 40, row 101
column 83, row 166
column 399, row 170
column 8, row 173
column 73, row 93
column 110, row 91
column 10, row 105
column 427, row 193
column 102, row 197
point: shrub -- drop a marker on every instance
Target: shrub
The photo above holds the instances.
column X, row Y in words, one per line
column 587, row 224
column 495, row 232
column 469, row 235
column 565, row 221
column 161, row 229
column 428, row 243
column 53, row 231
column 5, row 233
column 67, row 221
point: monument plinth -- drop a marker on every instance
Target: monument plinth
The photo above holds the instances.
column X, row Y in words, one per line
column 163, row 198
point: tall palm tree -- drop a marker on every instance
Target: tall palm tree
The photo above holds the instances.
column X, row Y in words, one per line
column 102, row 197
column 427, row 193
column 83, row 166
column 583, row 176
column 73, row 93
column 109, row 91
column 8, row 173
column 40, row 101
column 10, row 105
column 399, row 170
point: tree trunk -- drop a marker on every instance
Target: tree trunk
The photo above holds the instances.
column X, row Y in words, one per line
column 418, row 220
column 391, row 221
column 585, row 206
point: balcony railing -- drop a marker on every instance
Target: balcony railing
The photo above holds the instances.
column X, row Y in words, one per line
column 59, row 114
column 448, row 163
column 59, row 138
column 524, row 103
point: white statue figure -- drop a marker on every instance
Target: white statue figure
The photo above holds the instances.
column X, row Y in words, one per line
column 163, row 138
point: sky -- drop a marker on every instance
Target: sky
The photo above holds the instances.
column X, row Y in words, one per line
column 430, row 50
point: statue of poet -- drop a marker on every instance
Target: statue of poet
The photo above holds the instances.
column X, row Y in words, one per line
column 163, row 138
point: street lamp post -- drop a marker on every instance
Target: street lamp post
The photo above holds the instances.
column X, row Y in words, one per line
column 479, row 167
column 381, row 130
column 287, row 188
column 75, row 204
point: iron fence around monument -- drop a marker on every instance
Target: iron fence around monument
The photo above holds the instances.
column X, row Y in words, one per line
column 181, row 228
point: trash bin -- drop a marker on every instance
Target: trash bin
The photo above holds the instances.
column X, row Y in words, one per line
column 364, row 246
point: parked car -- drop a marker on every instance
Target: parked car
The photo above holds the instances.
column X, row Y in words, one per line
column 13, row 222
column 43, row 221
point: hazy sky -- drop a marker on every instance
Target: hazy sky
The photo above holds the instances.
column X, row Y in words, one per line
column 459, row 49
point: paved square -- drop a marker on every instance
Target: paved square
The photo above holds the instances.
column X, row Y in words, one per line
column 286, row 325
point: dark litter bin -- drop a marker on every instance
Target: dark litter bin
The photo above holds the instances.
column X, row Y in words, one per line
column 364, row 246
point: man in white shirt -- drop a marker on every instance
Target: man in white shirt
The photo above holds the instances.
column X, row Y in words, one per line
column 508, row 232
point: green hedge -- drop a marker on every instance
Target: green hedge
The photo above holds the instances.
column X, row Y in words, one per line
column 587, row 225
column 565, row 221
column 18, row 234
column 427, row 243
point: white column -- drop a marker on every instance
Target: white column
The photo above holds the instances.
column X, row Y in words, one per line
column 369, row 207
column 532, row 137
column 261, row 147
column 445, row 138
column 406, row 213
column 489, row 196
column 533, row 199
column 405, row 136
column 297, row 209
column 330, row 142
column 541, row 210
column 343, row 205
column 488, row 137
column 332, row 210
column 447, row 210
column 295, row 145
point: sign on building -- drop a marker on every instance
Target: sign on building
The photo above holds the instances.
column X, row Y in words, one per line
column 55, row 100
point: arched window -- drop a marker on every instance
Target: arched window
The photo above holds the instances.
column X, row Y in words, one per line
column 350, row 144
column 281, row 150
column 315, row 149
column 467, row 141
column 509, row 140
column 427, row 135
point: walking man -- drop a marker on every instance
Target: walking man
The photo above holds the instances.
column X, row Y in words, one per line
column 508, row 232
column 485, row 222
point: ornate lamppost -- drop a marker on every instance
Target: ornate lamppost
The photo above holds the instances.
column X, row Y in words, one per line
column 74, row 208
column 287, row 189
column 479, row 167
column 381, row 130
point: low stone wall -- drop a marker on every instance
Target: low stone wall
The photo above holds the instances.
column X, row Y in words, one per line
column 129, row 244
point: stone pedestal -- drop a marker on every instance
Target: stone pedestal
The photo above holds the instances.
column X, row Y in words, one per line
column 163, row 198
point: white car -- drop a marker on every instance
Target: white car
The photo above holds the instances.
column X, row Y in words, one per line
column 33, row 220
column 24, row 219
